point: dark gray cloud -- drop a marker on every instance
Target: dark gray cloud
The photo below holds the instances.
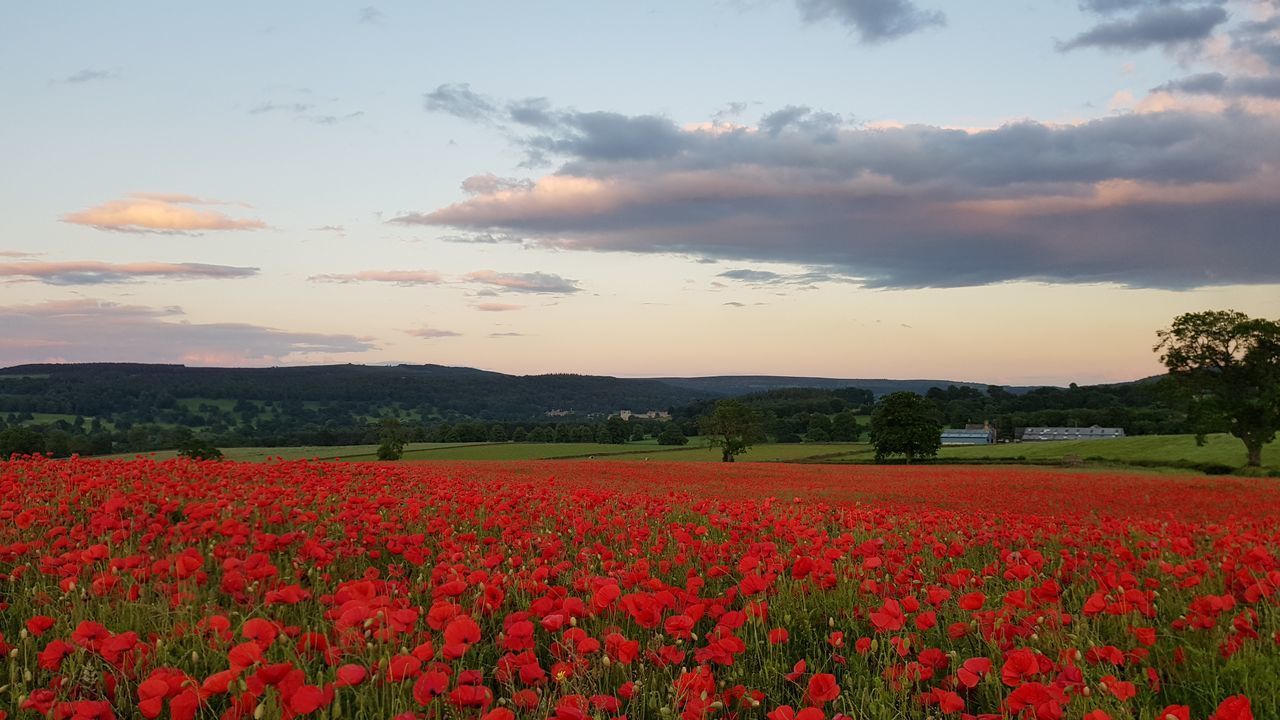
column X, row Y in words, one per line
column 1164, row 25
column 766, row 277
column 99, row 331
column 460, row 101
column 1223, row 86
column 874, row 20
column 610, row 136
column 535, row 112
column 821, row 126
column 370, row 14
column 91, row 272
column 88, row 75
column 1171, row 199
column 1260, row 38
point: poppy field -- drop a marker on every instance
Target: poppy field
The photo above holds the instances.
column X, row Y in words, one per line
column 656, row 591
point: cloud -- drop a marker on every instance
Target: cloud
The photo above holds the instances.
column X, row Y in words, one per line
column 427, row 333
column 339, row 230
column 372, row 15
column 820, row 126
column 874, row 20
column 270, row 107
column 159, row 213
column 1260, row 39
column 88, row 75
column 403, row 278
column 18, row 254
column 1220, row 85
column 766, row 277
column 304, row 111
column 1104, row 7
column 1165, row 26
column 88, row 272
column 98, row 331
column 507, row 334
column 533, row 282
column 498, row 307
column 1172, row 199
column 458, row 100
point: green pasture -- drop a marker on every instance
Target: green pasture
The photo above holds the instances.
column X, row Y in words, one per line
column 1219, row 448
column 1170, row 450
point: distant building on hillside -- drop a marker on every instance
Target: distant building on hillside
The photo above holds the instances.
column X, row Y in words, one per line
column 558, row 413
column 1041, row 434
column 971, row 435
column 650, row 415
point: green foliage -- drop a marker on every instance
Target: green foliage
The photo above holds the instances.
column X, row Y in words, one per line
column 904, row 423
column 672, row 435
column 1227, row 365
column 845, row 427
column 616, row 430
column 733, row 427
column 392, row 437
column 20, row 440
column 199, row 449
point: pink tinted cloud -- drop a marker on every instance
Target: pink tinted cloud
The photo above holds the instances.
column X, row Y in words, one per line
column 429, row 333
column 159, row 213
column 395, row 277
column 86, row 330
column 498, row 307
column 92, row 272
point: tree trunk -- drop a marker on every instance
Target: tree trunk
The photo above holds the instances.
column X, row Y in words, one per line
column 727, row 456
column 1255, row 453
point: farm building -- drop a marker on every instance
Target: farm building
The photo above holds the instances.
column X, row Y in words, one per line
column 970, row 436
column 1040, row 434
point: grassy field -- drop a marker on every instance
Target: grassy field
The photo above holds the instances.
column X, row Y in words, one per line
column 1220, row 448
column 1151, row 449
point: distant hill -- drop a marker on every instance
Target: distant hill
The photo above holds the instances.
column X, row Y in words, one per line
column 746, row 384
column 95, row 408
column 429, row 391
column 99, row 389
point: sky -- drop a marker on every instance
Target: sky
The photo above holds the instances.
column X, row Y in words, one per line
column 1006, row 191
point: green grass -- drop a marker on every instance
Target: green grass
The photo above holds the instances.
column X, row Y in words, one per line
column 1220, row 448
column 695, row 451
column 1150, row 449
column 534, row 451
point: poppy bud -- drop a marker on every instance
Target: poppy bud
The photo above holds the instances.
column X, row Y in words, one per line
column 195, row 656
column 1085, row 691
column 259, row 711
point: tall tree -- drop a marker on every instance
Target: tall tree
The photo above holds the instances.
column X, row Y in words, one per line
column 732, row 427
column 391, row 432
column 1227, row 365
column 903, row 423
